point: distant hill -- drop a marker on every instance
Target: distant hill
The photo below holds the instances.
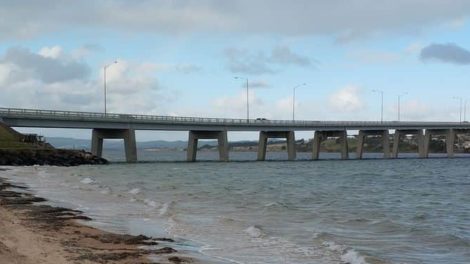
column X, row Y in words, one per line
column 73, row 143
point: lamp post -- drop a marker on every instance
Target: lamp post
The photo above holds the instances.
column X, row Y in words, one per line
column 465, row 110
column 104, row 82
column 247, row 98
column 293, row 99
column 382, row 105
column 398, row 103
column 460, row 107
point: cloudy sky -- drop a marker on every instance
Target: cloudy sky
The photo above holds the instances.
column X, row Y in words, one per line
column 179, row 57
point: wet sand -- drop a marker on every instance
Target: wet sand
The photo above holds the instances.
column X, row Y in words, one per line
column 32, row 232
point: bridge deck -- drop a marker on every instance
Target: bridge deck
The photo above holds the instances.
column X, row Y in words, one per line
column 17, row 117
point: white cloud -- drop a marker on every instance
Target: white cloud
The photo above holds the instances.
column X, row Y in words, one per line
column 346, row 99
column 457, row 23
column 5, row 72
column 51, row 52
column 47, row 68
column 52, row 79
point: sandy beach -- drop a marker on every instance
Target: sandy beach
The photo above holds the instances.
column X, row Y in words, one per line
column 31, row 232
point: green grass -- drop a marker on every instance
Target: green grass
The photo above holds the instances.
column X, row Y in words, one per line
column 10, row 139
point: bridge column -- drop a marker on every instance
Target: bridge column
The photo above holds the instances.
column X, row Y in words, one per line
column 427, row 142
column 98, row 135
column 222, row 141
column 263, row 142
column 322, row 135
column 420, row 138
column 450, row 140
column 361, row 138
column 317, row 139
column 96, row 143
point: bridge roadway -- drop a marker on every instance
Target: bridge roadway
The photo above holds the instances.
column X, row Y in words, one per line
column 123, row 126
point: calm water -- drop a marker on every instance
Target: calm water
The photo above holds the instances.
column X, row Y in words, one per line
column 369, row 211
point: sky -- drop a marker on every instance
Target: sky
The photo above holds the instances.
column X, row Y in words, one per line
column 180, row 57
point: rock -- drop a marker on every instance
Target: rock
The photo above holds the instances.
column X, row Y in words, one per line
column 55, row 157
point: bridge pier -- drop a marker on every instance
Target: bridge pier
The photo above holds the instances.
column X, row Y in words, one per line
column 263, row 142
column 363, row 134
column 323, row 135
column 397, row 137
column 450, row 140
column 98, row 135
column 194, row 136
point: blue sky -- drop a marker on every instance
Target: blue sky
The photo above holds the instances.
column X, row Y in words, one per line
column 180, row 57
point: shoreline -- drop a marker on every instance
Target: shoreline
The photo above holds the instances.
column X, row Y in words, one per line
column 31, row 232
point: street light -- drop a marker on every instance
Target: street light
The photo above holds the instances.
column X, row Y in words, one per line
column 399, row 97
column 460, row 106
column 293, row 99
column 247, row 98
column 465, row 110
column 382, row 107
column 104, row 82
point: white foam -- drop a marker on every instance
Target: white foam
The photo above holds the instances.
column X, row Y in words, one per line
column 254, row 232
column 347, row 255
column 106, row 190
column 333, row 246
column 134, row 191
column 87, row 181
column 164, row 210
column 151, row 203
column 351, row 256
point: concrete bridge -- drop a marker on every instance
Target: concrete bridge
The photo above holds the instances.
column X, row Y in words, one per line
column 124, row 126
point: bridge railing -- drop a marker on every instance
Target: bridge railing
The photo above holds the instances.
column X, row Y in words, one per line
column 135, row 118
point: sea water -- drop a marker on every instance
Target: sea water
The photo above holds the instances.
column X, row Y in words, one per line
column 329, row 211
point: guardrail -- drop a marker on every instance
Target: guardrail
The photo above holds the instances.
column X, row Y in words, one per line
column 133, row 118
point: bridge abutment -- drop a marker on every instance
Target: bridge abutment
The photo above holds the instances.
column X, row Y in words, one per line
column 263, row 142
column 130, row 147
column 320, row 136
column 222, row 140
column 402, row 132
column 363, row 134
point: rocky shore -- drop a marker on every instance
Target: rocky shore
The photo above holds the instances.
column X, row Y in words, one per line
column 32, row 232
column 49, row 156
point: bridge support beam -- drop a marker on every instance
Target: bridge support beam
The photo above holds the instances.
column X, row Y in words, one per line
column 419, row 135
column 320, row 136
column 363, row 134
column 194, row 136
column 263, row 142
column 98, row 135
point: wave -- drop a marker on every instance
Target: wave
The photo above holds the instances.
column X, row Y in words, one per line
column 151, row 203
column 166, row 208
column 134, row 191
column 347, row 255
column 87, row 181
column 254, row 231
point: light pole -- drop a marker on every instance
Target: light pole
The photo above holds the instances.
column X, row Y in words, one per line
column 399, row 98
column 293, row 99
column 465, row 110
column 382, row 105
column 460, row 107
column 247, row 98
column 104, row 82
